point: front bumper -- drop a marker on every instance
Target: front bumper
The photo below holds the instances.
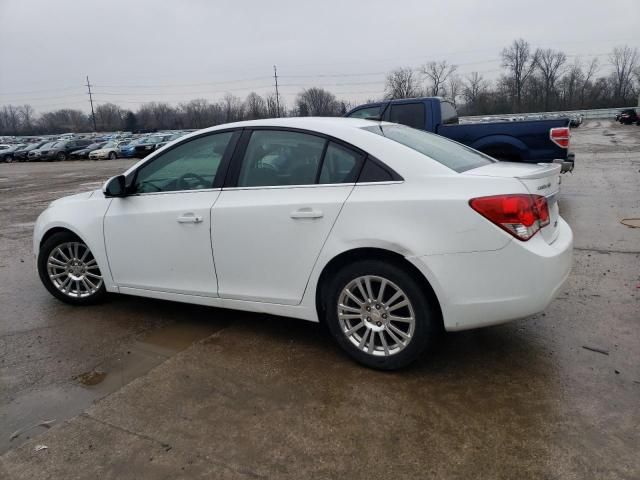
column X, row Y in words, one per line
column 478, row 289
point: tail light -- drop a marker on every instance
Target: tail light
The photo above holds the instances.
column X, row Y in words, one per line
column 560, row 136
column 521, row 215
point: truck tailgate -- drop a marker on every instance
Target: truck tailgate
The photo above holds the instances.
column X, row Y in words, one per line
column 539, row 179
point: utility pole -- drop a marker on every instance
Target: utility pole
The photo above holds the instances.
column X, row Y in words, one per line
column 93, row 115
column 275, row 75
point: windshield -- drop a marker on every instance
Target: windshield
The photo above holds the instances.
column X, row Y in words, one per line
column 451, row 154
column 48, row 145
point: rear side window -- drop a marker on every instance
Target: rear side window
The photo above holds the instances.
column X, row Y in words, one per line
column 449, row 113
column 366, row 112
column 410, row 114
column 275, row 158
column 340, row 165
column 451, row 154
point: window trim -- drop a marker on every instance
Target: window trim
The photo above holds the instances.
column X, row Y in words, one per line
column 231, row 180
column 220, row 175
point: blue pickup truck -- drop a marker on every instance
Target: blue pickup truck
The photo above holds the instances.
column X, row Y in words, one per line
column 532, row 141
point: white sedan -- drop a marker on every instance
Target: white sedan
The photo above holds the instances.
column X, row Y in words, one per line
column 383, row 232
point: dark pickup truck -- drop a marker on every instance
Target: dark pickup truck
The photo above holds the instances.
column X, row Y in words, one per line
column 531, row 141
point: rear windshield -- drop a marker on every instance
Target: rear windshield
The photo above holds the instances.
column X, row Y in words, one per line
column 447, row 152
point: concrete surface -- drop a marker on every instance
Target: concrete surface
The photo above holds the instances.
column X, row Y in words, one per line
column 268, row 397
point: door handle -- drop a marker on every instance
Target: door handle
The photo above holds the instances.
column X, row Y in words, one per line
column 306, row 213
column 189, row 218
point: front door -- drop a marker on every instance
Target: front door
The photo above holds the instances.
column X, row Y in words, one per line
column 159, row 238
column 269, row 227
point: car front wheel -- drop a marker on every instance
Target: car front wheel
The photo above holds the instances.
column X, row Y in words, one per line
column 379, row 314
column 112, row 155
column 70, row 272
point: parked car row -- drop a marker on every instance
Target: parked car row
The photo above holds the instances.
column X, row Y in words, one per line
column 81, row 147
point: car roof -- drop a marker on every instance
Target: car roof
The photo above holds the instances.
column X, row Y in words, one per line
column 402, row 159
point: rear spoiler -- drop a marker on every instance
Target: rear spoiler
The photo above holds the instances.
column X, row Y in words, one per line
column 549, row 169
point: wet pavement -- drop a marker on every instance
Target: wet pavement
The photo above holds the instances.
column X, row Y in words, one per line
column 149, row 389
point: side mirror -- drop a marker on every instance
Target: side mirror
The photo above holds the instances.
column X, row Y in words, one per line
column 115, row 187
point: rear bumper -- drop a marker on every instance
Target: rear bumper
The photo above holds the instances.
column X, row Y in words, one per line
column 568, row 163
column 479, row 289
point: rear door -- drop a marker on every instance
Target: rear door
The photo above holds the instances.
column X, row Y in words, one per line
column 268, row 226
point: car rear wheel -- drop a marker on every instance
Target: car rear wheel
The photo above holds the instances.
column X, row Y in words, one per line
column 379, row 314
column 112, row 155
column 70, row 272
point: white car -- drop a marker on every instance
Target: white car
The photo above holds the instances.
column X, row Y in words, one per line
column 384, row 232
column 111, row 151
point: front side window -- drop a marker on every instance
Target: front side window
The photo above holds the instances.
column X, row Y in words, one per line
column 410, row 114
column 275, row 157
column 190, row 166
column 451, row 154
column 368, row 112
column 340, row 165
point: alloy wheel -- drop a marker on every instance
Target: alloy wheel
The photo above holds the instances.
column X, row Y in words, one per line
column 376, row 315
column 73, row 270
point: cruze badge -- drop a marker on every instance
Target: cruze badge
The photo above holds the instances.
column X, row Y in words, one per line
column 546, row 185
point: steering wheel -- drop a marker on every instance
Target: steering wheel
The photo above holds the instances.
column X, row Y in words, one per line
column 183, row 182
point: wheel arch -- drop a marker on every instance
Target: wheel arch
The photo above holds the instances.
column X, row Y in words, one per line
column 371, row 253
column 53, row 230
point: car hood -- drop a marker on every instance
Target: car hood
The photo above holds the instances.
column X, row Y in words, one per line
column 72, row 198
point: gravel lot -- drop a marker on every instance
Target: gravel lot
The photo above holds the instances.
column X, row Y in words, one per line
column 149, row 389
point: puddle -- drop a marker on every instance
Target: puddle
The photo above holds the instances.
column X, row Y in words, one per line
column 94, row 377
column 27, row 412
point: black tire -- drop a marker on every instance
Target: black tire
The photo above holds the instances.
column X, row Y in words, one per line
column 61, row 157
column 113, row 155
column 47, row 247
column 8, row 158
column 426, row 318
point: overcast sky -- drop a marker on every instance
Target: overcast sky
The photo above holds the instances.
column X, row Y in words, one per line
column 144, row 50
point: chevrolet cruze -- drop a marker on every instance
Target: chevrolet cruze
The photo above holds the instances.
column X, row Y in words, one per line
column 385, row 233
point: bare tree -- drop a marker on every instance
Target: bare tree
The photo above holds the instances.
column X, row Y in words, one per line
column 624, row 61
column 317, row 102
column 232, row 108
column 520, row 64
column 454, row 87
column 272, row 106
column 255, row 106
column 11, row 116
column 590, row 73
column 437, row 74
column 109, row 117
column 401, row 83
column 473, row 86
column 27, row 116
column 550, row 64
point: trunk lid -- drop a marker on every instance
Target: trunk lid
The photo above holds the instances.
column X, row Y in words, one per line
column 538, row 178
